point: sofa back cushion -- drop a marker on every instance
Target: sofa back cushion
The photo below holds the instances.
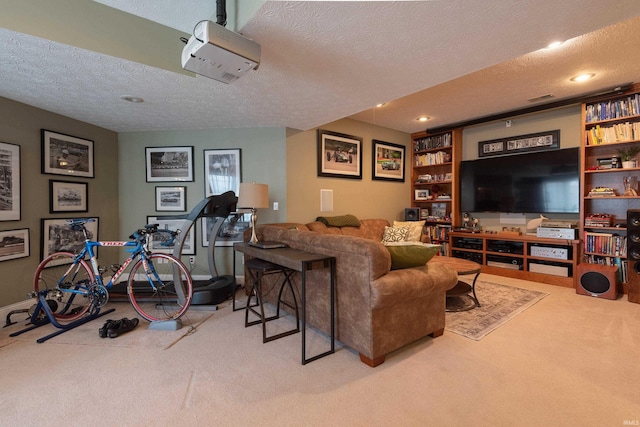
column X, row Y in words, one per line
column 371, row 229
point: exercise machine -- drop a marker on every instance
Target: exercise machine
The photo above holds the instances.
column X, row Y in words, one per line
column 218, row 288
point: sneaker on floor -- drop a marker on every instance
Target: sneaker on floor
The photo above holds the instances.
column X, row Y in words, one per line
column 102, row 332
column 122, row 326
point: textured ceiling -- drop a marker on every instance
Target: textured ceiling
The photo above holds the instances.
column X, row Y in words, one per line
column 451, row 60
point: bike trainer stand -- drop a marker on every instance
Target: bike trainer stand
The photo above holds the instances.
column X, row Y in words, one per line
column 50, row 318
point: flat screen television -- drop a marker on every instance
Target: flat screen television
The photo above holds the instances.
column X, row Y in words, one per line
column 538, row 182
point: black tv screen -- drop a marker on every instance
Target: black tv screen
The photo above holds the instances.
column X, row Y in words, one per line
column 540, row 182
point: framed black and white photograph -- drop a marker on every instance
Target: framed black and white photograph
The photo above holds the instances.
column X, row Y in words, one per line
column 171, row 199
column 9, row 182
column 422, row 194
column 167, row 164
column 65, row 196
column 339, row 155
column 14, row 244
column 57, row 236
column 388, row 161
column 222, row 171
column 167, row 223
column 66, row 155
column 231, row 231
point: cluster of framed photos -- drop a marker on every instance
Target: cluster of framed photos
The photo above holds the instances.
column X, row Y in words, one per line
column 340, row 156
column 222, row 173
column 61, row 155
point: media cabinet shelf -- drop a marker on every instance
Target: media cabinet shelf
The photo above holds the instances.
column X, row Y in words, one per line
column 516, row 251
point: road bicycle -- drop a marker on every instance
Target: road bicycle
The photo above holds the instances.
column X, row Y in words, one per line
column 159, row 285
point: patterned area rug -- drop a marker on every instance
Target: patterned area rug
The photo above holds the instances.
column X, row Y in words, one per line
column 499, row 303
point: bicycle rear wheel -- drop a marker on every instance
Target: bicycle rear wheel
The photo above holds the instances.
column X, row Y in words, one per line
column 68, row 284
column 164, row 291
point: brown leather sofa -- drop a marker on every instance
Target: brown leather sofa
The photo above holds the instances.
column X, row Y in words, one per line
column 378, row 310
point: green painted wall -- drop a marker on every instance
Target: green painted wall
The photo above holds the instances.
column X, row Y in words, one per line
column 20, row 124
column 263, row 153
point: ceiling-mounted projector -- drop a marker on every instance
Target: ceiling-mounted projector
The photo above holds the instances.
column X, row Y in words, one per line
column 220, row 54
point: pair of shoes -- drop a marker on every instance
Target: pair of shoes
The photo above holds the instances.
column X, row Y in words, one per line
column 103, row 331
column 122, row 326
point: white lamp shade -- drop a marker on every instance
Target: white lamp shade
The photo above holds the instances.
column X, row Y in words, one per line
column 253, row 195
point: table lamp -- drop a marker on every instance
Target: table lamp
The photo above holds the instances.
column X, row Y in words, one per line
column 253, row 196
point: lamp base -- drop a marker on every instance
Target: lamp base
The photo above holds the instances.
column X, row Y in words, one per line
column 254, row 217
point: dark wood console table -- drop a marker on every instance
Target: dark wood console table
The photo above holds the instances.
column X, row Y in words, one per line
column 301, row 262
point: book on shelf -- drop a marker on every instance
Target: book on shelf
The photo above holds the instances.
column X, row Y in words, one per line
column 431, row 142
column 614, row 109
column 602, row 192
column 620, row 132
column 428, row 159
column 607, row 244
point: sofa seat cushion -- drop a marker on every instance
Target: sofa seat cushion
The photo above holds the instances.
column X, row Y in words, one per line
column 399, row 286
column 410, row 254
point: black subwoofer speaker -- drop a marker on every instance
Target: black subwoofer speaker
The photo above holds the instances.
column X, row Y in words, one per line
column 412, row 214
column 597, row 280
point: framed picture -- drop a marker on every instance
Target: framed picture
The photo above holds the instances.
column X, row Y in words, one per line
column 171, row 199
column 388, row 161
column 168, row 223
column 166, row 164
column 65, row 196
column 231, row 231
column 9, row 182
column 57, row 236
column 422, row 194
column 14, row 244
column 222, row 171
column 66, row 155
column 339, row 155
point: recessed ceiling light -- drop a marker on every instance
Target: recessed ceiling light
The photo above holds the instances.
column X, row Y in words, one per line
column 382, row 104
column 129, row 98
column 582, row 77
column 423, row 119
column 554, row 45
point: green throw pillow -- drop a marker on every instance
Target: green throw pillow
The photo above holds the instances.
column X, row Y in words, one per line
column 405, row 256
column 340, row 221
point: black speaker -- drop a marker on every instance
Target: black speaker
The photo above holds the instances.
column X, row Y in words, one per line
column 597, row 280
column 633, row 255
column 412, row 214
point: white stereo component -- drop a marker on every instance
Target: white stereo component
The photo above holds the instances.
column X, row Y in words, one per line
column 555, row 270
column 548, row 252
column 557, row 233
column 503, row 265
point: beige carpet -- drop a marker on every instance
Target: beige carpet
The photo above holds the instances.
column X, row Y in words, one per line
column 498, row 304
column 87, row 334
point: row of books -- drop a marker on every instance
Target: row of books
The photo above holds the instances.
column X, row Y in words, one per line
column 431, row 142
column 437, row 233
column 617, row 109
column 621, row 132
column 607, row 260
column 427, row 159
column 605, row 244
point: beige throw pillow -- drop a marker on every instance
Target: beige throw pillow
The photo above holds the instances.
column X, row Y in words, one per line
column 415, row 229
column 394, row 234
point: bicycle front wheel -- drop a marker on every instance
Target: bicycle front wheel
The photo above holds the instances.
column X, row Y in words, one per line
column 68, row 285
column 163, row 291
